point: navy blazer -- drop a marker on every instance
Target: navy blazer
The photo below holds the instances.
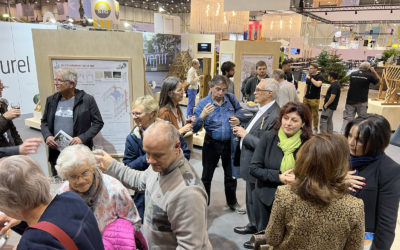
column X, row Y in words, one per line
column 381, row 200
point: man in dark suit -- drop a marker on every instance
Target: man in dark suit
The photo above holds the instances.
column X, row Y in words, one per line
column 265, row 95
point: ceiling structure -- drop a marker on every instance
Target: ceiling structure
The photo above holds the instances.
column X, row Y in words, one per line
column 168, row 6
column 368, row 11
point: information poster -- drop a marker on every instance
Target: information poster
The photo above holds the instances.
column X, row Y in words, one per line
column 108, row 82
column 249, row 64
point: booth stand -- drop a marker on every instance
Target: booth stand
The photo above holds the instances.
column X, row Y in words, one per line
column 390, row 112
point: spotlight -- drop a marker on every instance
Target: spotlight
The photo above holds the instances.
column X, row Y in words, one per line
column 326, row 13
column 355, row 12
column 391, row 11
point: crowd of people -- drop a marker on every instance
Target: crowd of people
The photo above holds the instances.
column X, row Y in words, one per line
column 304, row 189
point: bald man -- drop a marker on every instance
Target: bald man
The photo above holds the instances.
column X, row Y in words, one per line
column 176, row 201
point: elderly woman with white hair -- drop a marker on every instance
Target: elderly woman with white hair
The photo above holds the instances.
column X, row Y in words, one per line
column 107, row 197
column 25, row 196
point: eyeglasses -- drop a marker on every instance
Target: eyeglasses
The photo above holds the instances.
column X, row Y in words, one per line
column 137, row 114
column 83, row 175
column 60, row 80
column 262, row 90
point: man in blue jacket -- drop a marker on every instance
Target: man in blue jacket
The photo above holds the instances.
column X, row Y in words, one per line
column 216, row 113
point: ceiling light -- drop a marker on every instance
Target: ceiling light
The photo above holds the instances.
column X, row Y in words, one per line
column 6, row 15
column 161, row 9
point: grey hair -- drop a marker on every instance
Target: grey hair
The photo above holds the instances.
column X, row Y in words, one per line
column 272, row 85
column 279, row 73
column 163, row 127
column 23, row 184
column 218, row 80
column 195, row 61
column 148, row 103
column 74, row 157
column 365, row 66
column 68, row 75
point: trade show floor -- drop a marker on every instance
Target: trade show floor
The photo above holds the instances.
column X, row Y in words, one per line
column 220, row 220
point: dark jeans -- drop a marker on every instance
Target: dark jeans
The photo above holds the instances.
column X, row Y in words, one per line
column 213, row 150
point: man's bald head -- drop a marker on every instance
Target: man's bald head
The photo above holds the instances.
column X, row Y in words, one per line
column 162, row 145
column 161, row 128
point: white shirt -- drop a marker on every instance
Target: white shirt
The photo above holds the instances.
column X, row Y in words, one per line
column 260, row 112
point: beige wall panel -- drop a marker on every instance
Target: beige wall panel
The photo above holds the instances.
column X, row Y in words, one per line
column 91, row 45
column 194, row 39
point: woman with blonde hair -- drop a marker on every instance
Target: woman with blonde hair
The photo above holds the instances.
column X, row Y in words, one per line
column 316, row 211
column 144, row 113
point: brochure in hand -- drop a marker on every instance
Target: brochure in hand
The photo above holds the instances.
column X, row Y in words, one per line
column 62, row 140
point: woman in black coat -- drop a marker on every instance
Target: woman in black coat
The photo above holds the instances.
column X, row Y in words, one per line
column 374, row 176
column 269, row 166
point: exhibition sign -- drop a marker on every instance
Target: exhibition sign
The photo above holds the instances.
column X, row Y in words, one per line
column 105, row 13
column 17, row 63
column 249, row 64
column 108, row 82
column 159, row 50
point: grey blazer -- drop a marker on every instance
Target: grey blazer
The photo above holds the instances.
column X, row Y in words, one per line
column 250, row 141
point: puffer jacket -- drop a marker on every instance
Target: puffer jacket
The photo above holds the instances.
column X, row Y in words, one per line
column 120, row 235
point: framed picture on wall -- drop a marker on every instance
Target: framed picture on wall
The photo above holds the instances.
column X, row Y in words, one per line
column 108, row 81
column 249, row 64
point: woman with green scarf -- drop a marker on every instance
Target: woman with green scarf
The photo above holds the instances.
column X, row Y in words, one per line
column 274, row 157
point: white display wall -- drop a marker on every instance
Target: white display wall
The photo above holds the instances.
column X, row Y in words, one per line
column 17, row 63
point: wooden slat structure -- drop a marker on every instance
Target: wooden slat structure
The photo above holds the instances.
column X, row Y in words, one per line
column 391, row 77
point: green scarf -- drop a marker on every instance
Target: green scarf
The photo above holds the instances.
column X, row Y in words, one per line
column 288, row 146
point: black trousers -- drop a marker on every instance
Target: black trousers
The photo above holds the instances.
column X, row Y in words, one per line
column 262, row 213
column 213, row 150
column 251, row 199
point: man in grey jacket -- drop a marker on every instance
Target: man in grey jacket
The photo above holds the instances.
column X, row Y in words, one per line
column 176, row 201
column 265, row 94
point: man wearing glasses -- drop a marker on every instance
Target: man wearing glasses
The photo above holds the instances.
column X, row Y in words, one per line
column 265, row 94
column 216, row 113
column 72, row 111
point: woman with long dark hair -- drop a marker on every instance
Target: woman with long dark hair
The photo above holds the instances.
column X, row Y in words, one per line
column 170, row 96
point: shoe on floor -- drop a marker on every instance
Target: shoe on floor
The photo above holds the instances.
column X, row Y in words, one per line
column 237, row 208
column 245, row 230
column 248, row 245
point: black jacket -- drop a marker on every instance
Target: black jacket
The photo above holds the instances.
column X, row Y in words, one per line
column 87, row 119
column 265, row 166
column 8, row 125
column 251, row 140
column 381, row 200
